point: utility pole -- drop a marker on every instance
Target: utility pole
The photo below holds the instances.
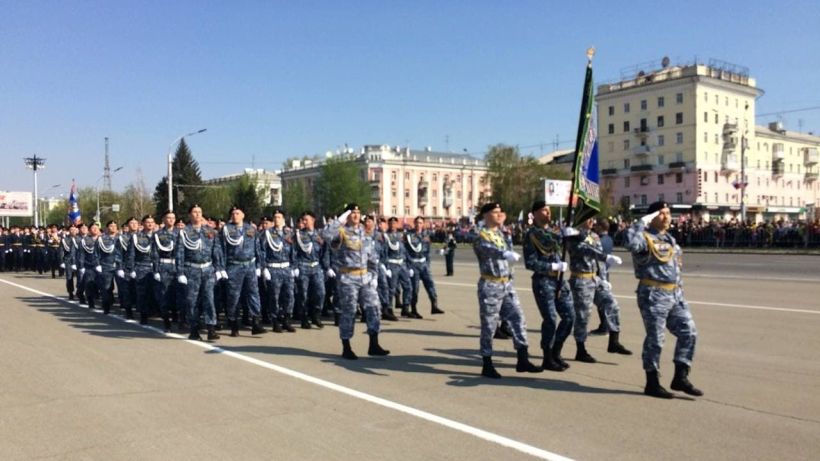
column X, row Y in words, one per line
column 35, row 163
column 107, row 170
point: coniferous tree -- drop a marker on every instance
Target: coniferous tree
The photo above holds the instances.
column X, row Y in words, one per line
column 186, row 173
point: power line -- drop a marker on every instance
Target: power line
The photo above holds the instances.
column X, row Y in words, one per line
column 780, row 112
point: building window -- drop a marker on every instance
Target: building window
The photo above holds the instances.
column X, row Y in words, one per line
column 705, row 136
column 394, row 193
column 706, row 117
column 678, row 156
column 679, row 98
column 393, row 211
column 679, row 197
column 626, row 107
column 626, row 144
column 393, row 174
column 660, row 197
column 679, row 118
column 611, row 110
column 644, row 127
column 661, row 140
column 660, row 121
column 660, row 159
column 679, row 138
column 407, row 211
column 660, row 101
column 717, row 117
column 407, row 193
column 626, row 181
column 717, row 139
column 660, row 180
column 716, row 197
column 611, row 128
column 705, row 176
column 643, row 199
column 705, row 96
column 626, row 163
column 626, row 126
column 716, row 177
column 678, row 178
column 643, row 104
column 435, row 176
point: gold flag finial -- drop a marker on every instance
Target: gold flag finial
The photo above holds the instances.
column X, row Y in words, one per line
column 590, row 52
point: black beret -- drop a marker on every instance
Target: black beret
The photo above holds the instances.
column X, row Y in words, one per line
column 352, row 207
column 537, row 205
column 657, row 206
column 393, row 219
column 488, row 207
column 110, row 223
column 195, row 205
column 277, row 211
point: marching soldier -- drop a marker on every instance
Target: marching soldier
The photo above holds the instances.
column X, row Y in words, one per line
column 244, row 266
column 15, row 244
column 655, row 256
column 496, row 295
column 198, row 259
column 81, row 235
column 126, row 286
column 142, row 261
column 356, row 282
column 587, row 259
column 542, row 255
column 418, row 253
column 398, row 266
column 108, row 262
column 3, row 249
column 68, row 248
column 384, row 272
column 53, row 251
column 277, row 258
column 449, row 252
column 312, row 260
column 89, row 259
column 165, row 241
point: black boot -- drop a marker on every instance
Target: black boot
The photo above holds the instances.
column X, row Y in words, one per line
column 556, row 355
column 653, row 387
column 414, row 313
column 212, row 336
column 347, row 352
column 305, row 322
column 581, row 355
column 601, row 330
column 234, row 328
column 524, row 365
column 277, row 326
column 286, row 324
column 71, row 296
column 316, row 321
column 549, row 363
column 681, row 381
column 405, row 311
column 375, row 348
column 166, row 322
column 256, row 328
column 143, row 319
column 499, row 333
column 387, row 314
column 194, row 335
column 106, row 308
column 336, row 317
column 488, row 370
column 615, row 346
column 434, row 309
column 129, row 314
column 505, row 328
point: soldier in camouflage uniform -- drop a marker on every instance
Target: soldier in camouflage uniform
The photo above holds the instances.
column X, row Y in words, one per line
column 165, row 243
column 312, row 260
column 68, row 250
column 142, row 262
column 244, row 266
column 276, row 253
column 357, row 284
column 496, row 295
column 418, row 254
column 657, row 263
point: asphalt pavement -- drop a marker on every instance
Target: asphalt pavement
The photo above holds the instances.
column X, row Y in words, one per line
column 81, row 385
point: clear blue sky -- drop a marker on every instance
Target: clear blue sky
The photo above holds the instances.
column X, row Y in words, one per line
column 273, row 79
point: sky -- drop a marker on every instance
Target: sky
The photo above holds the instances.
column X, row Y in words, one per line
column 275, row 79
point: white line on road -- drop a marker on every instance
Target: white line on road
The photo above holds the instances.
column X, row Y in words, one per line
column 704, row 303
column 452, row 424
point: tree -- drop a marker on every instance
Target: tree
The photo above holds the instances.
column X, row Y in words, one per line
column 186, row 173
column 246, row 195
column 135, row 201
column 297, row 198
column 341, row 181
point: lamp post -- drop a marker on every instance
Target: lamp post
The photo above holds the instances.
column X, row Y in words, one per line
column 171, row 166
column 44, row 212
column 743, row 178
column 35, row 163
column 97, row 186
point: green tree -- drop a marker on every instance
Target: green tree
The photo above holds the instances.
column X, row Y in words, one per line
column 341, row 181
column 297, row 198
column 186, row 173
column 247, row 195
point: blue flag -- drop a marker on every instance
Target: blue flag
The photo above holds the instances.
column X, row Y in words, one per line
column 74, row 214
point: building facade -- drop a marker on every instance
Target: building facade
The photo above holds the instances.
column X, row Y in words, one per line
column 267, row 183
column 684, row 133
column 407, row 183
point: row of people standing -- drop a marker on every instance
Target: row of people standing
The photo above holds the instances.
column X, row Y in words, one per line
column 32, row 248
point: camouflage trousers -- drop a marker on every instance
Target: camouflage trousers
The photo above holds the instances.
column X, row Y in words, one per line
column 242, row 280
column 498, row 300
column 612, row 312
column 543, row 287
column 661, row 309
column 355, row 290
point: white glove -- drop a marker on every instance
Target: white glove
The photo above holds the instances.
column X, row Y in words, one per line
column 411, row 273
column 74, row 267
column 648, row 218
column 218, row 275
column 442, row 251
column 133, row 275
column 266, row 273
column 182, row 279
column 374, row 281
column 98, row 269
column 157, row 277
column 82, row 270
column 606, row 285
column 383, row 268
column 559, row 267
column 612, row 260
column 224, row 274
column 511, row 256
column 388, row 273
column 62, row 265
column 343, row 217
column 258, row 272
column 569, row 232
column 331, row 274
column 295, row 273
column 121, row 273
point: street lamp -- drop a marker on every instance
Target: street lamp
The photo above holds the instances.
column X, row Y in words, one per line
column 35, row 163
column 171, row 166
column 43, row 212
column 97, row 187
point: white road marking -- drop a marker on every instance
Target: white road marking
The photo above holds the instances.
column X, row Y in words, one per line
column 704, row 303
column 452, row 424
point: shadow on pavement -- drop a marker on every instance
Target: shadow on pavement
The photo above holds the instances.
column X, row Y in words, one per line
column 90, row 322
column 408, row 331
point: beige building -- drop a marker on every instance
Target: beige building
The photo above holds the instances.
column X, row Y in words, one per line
column 406, row 182
column 267, row 182
column 677, row 132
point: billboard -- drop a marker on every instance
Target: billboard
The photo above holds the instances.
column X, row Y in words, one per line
column 16, row 204
column 556, row 192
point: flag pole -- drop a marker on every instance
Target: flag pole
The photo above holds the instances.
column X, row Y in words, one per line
column 583, row 119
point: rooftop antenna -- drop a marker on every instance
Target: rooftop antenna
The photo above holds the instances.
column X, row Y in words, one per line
column 107, row 169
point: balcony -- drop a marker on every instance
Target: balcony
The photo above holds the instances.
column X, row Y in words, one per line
column 609, row 172
column 729, row 129
column 778, row 152
column 730, row 164
column 811, row 176
column 642, row 169
column 810, row 156
column 677, row 166
column 778, row 169
column 641, row 150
